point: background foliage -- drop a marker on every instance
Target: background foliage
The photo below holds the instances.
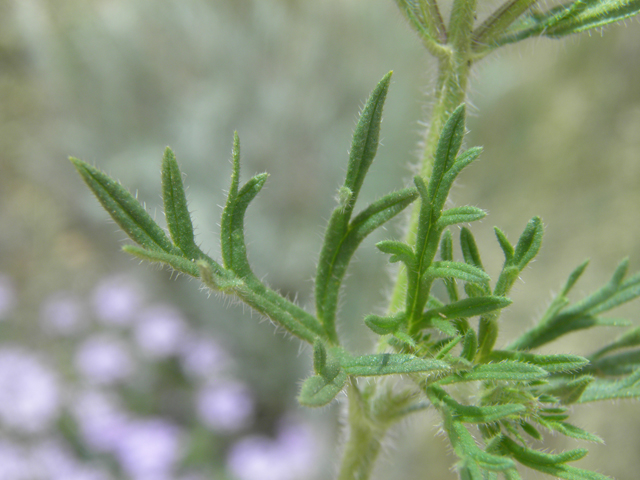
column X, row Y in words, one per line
column 114, row 82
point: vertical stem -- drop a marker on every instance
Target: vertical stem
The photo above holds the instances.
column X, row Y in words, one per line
column 365, row 439
column 450, row 92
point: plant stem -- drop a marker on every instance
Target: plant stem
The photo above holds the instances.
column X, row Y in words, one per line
column 365, row 438
column 450, row 92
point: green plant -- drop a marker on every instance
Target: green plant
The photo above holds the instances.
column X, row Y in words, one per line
column 428, row 340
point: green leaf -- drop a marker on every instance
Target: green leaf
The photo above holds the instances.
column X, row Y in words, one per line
column 541, row 458
column 569, row 18
column 125, row 209
column 573, row 278
column 570, row 430
column 377, row 214
column 604, row 389
column 472, row 413
column 601, row 295
column 551, row 363
column 505, row 245
column 460, row 215
column 461, row 271
column 446, row 253
column 445, row 326
column 529, row 243
column 341, row 238
column 399, row 251
column 615, row 365
column 590, row 14
column 447, row 149
column 318, row 390
column 234, row 250
column 366, row 137
column 470, row 307
column 178, row 263
column 465, row 447
column 505, row 370
column 444, row 346
column 569, row 390
column 465, row 159
column 384, row 325
column 530, row 430
column 630, row 338
column 175, row 207
column 552, row 464
column 319, row 357
column 469, row 248
column 390, row 363
column 470, row 345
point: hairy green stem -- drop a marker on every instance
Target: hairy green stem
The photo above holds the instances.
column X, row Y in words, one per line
column 365, row 438
column 450, row 92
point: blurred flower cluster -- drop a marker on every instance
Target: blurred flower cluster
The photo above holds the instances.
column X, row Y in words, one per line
column 140, row 394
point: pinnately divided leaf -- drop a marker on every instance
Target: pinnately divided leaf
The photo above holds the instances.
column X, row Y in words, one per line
column 334, row 259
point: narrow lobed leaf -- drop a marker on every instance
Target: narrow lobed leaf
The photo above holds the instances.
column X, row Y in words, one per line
column 390, row 363
column 461, row 271
column 469, row 248
column 505, row 370
column 551, row 363
column 318, row 390
column 605, row 389
column 529, row 243
column 384, row 325
column 400, row 252
column 505, row 245
column 177, row 262
column 470, row 307
column 470, row 345
column 456, row 215
column 175, row 207
column 319, row 357
column 366, row 137
column 570, row 430
column 125, row 209
column 465, row 447
column 447, row 149
column 446, row 254
column 631, row 338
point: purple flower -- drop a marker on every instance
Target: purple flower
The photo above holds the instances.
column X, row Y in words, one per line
column 7, row 296
column 116, row 300
column 203, row 357
column 160, row 331
column 14, row 462
column 104, row 359
column 149, row 449
column 29, row 396
column 226, row 407
column 55, row 462
column 60, row 314
column 101, row 422
column 288, row 457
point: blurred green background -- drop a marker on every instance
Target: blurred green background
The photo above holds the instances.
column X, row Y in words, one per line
column 113, row 82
